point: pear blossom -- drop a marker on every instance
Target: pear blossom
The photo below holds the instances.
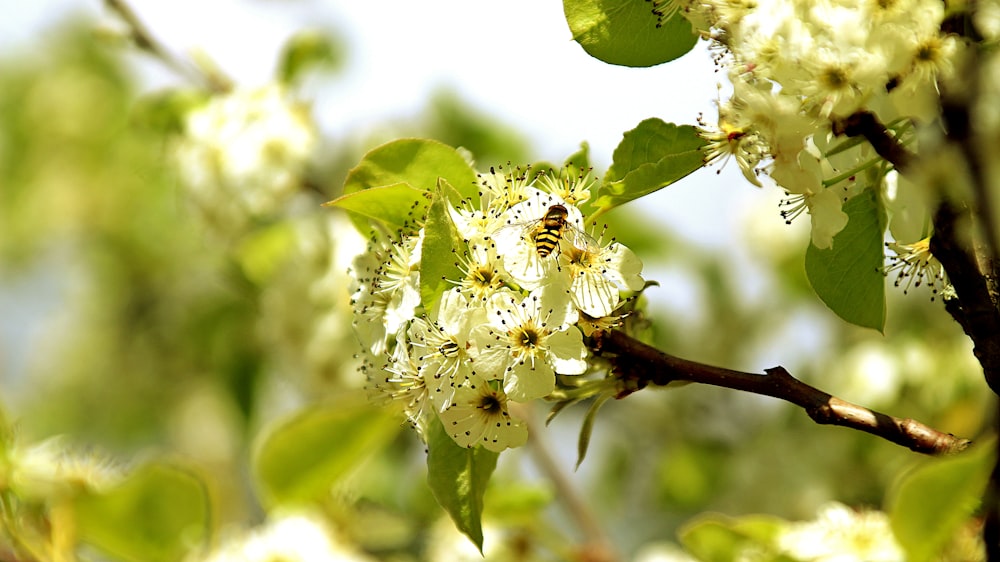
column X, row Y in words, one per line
column 914, row 264
column 841, row 533
column 242, row 154
column 446, row 345
column 527, row 283
column 533, row 343
column 516, row 241
column 479, row 416
column 290, row 536
column 597, row 271
column 484, row 270
column 400, row 380
column 798, row 67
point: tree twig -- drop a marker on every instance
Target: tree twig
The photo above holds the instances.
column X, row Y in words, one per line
column 641, row 365
column 145, row 41
column 597, row 545
column 866, row 124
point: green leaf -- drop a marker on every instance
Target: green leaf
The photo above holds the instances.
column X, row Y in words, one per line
column 417, row 162
column 263, row 251
column 625, row 32
column 458, row 477
column 398, row 206
column 305, row 51
column 166, row 111
column 303, row 457
column 438, row 261
column 402, row 176
column 848, row 277
column 716, row 538
column 158, row 513
column 650, row 157
column 931, row 503
column 583, row 443
column 580, row 158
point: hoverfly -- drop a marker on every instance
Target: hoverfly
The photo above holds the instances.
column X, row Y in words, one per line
column 536, row 233
column 549, row 231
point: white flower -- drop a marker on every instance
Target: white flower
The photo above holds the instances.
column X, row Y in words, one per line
column 841, row 534
column 498, row 190
column 479, row 416
column 484, row 270
column 572, row 186
column 597, row 271
column 401, row 381
column 50, row 468
column 386, row 283
column 294, row 537
column 532, row 343
column 243, row 153
column 446, row 345
column 914, row 264
column 727, row 141
column 828, row 218
column 525, row 256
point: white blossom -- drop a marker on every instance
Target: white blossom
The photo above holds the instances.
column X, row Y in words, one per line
column 533, row 343
column 243, row 154
column 479, row 416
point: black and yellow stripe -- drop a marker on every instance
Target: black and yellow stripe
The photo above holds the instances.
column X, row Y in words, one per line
column 550, row 230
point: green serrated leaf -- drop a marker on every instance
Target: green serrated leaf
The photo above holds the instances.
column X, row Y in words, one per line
column 583, row 443
column 306, row 51
column 300, row 459
column 405, row 172
column 625, row 32
column 932, row 502
column 438, row 261
column 848, row 276
column 398, row 206
column 458, row 477
column 417, row 162
column 158, row 513
column 650, row 157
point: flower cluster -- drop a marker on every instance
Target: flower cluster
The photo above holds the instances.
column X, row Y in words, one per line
column 528, row 279
column 799, row 67
column 243, row 154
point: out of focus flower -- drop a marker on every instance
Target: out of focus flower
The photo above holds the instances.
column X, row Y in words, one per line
column 842, row 534
column 243, row 154
column 294, row 537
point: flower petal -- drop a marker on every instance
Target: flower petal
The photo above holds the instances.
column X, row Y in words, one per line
column 567, row 352
column 525, row 382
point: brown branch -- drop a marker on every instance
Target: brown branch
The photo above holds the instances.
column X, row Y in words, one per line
column 974, row 309
column 640, row 365
column 866, row 124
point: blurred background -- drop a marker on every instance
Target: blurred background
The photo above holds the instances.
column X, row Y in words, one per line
column 139, row 320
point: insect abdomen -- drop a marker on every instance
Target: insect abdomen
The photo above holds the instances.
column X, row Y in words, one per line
column 550, row 231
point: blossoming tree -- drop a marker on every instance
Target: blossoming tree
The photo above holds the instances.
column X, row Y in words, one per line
column 478, row 292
